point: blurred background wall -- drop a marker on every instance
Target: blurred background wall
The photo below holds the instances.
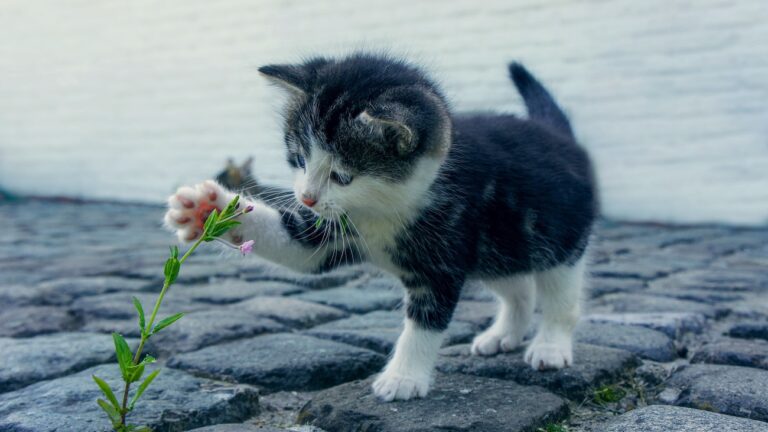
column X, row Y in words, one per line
column 128, row 99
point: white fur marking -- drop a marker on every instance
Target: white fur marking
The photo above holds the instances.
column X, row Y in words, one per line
column 517, row 299
column 409, row 372
column 559, row 291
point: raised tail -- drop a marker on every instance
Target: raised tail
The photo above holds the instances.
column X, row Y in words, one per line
column 541, row 105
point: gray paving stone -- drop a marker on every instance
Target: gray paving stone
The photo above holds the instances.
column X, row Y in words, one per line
column 360, row 296
column 127, row 327
column 732, row 390
column 673, row 324
column 29, row 321
column 26, row 361
column 455, row 403
column 193, row 272
column 593, row 366
column 633, row 302
column 614, row 230
column 175, row 402
column 282, row 362
column 75, row 287
column 226, row 291
column 260, row 270
column 378, row 331
column 17, row 295
column 644, row 342
column 599, row 286
column 120, row 305
column 659, row 418
column 290, row 311
column 715, row 279
column 725, row 245
column 479, row 313
column 652, row 373
column 210, row 327
column 645, row 269
column 737, row 352
column 750, row 330
column 237, row 428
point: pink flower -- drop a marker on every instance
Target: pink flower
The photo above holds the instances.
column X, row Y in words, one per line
column 246, row 247
column 248, row 209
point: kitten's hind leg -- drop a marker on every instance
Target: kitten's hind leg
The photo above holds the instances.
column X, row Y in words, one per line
column 559, row 293
column 516, row 302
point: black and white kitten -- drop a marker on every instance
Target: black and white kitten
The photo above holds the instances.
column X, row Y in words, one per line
column 386, row 174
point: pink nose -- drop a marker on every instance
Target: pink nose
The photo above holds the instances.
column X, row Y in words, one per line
column 308, row 201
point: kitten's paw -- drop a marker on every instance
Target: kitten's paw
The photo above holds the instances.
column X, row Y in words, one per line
column 189, row 207
column 390, row 386
column 549, row 355
column 492, row 341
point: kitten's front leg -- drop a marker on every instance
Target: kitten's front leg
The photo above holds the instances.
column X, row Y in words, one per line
column 409, row 372
column 280, row 236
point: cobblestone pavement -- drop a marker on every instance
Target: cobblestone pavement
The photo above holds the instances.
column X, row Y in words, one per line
column 675, row 336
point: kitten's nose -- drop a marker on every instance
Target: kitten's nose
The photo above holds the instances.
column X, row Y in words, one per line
column 308, row 200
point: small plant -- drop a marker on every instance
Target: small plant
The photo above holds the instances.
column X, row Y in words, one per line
column 608, row 394
column 552, row 427
column 343, row 222
column 131, row 363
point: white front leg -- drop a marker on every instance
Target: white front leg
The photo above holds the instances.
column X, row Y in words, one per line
column 409, row 372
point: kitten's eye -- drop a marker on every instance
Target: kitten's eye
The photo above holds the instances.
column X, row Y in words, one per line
column 341, row 179
column 301, row 162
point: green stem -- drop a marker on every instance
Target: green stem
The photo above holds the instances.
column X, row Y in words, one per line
column 145, row 333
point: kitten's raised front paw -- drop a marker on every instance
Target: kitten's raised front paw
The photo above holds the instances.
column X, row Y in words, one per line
column 549, row 355
column 493, row 341
column 390, row 386
column 189, row 207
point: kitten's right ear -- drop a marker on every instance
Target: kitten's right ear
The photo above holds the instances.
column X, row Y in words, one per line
column 290, row 77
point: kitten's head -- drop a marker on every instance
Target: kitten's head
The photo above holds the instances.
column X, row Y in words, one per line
column 364, row 134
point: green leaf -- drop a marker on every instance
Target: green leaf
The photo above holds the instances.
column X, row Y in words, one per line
column 222, row 227
column 124, row 356
column 172, row 266
column 344, row 221
column 113, row 414
column 107, row 391
column 141, row 388
column 136, row 372
column 140, row 310
column 174, row 251
column 229, row 210
column 319, row 222
column 211, row 221
column 167, row 321
column 148, row 359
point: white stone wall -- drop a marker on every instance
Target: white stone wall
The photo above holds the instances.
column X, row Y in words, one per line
column 128, row 99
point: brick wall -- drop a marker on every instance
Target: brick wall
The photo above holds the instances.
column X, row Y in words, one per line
column 126, row 100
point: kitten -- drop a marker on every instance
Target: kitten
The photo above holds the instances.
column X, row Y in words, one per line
column 385, row 173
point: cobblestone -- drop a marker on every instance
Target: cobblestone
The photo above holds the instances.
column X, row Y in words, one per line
column 675, row 315
column 732, row 390
column 456, row 403
column 659, row 419
column 282, row 362
column 175, row 402
column 593, row 366
column 737, row 352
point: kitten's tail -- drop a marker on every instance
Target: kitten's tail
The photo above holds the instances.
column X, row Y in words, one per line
column 541, row 105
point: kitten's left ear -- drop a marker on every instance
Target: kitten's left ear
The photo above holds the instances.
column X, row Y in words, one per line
column 392, row 130
column 295, row 78
column 290, row 77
